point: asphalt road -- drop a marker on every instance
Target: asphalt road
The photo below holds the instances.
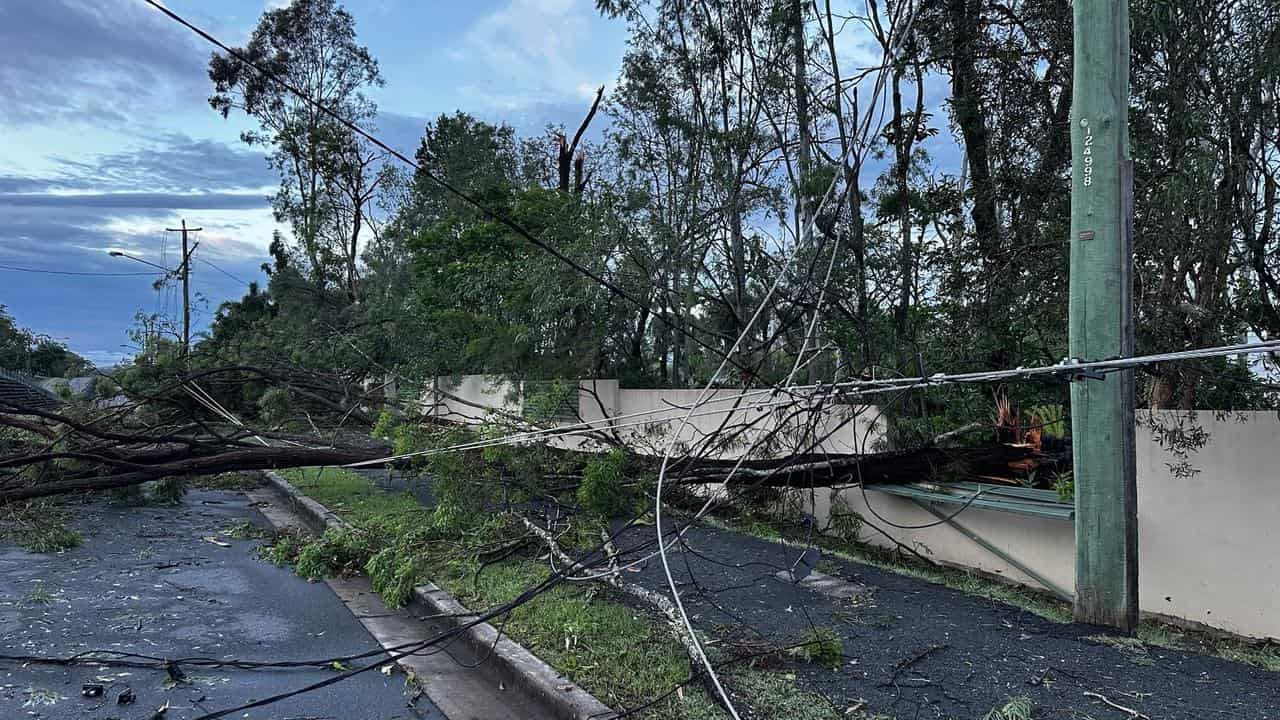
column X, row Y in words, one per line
column 146, row 581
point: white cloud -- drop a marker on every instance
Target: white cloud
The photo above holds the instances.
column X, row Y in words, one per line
column 536, row 51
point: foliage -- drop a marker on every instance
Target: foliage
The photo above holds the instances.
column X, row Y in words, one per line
column 1050, row 419
column 602, row 492
column 328, row 179
column 1064, row 483
column 274, row 406
column 820, row 646
column 845, row 523
column 228, row 481
column 245, row 530
column 24, row 351
column 688, row 214
column 618, row 655
column 39, row 526
column 1014, row 708
column 283, row 548
column 168, row 491
column 338, row 552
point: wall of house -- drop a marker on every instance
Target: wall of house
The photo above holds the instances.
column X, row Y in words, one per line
column 472, row 398
column 648, row 419
column 1206, row 542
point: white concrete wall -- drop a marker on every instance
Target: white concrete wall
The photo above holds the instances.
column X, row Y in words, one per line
column 468, row 391
column 647, row 419
column 849, row 427
column 1207, row 544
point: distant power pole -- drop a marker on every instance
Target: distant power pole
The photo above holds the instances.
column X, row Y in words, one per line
column 185, row 270
column 1101, row 318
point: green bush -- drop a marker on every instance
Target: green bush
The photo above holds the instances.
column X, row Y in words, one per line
column 1065, row 484
column 384, row 428
column 339, row 553
column 603, row 493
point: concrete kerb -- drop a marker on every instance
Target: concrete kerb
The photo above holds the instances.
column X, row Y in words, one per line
column 516, row 666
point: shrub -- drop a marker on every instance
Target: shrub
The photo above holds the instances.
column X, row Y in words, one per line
column 1065, row 484
column 602, row 492
column 336, row 553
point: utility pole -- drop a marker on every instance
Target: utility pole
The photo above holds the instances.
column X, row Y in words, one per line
column 185, row 270
column 1101, row 318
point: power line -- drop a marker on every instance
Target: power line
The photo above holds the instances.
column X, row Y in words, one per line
column 1065, row 370
column 78, row 273
column 224, row 272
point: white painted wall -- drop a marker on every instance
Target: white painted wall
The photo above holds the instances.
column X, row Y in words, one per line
column 1207, row 544
column 647, row 419
column 468, row 391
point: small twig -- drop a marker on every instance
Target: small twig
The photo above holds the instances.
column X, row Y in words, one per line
column 904, row 664
column 1133, row 714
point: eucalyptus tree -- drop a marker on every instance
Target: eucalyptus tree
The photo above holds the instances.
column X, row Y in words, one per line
column 329, row 176
column 1206, row 134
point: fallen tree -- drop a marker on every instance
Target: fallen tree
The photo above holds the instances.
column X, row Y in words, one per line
column 181, row 430
column 177, row 429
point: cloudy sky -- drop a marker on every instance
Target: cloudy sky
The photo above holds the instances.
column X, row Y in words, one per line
column 108, row 137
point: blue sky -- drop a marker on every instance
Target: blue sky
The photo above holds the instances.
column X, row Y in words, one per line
column 108, row 138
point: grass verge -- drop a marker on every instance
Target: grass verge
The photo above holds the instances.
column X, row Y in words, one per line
column 621, row 654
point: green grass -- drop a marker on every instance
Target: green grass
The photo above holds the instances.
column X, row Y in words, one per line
column 354, row 498
column 1132, row 648
column 1263, row 654
column 619, row 654
column 622, row 655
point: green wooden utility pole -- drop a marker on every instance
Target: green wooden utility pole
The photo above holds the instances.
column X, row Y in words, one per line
column 1102, row 318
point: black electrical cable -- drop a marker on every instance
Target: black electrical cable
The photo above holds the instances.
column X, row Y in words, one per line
column 224, row 272
column 78, row 273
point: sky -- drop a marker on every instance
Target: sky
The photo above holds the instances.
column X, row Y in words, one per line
column 108, row 137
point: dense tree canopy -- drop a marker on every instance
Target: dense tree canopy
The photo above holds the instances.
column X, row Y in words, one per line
column 918, row 205
column 24, row 351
